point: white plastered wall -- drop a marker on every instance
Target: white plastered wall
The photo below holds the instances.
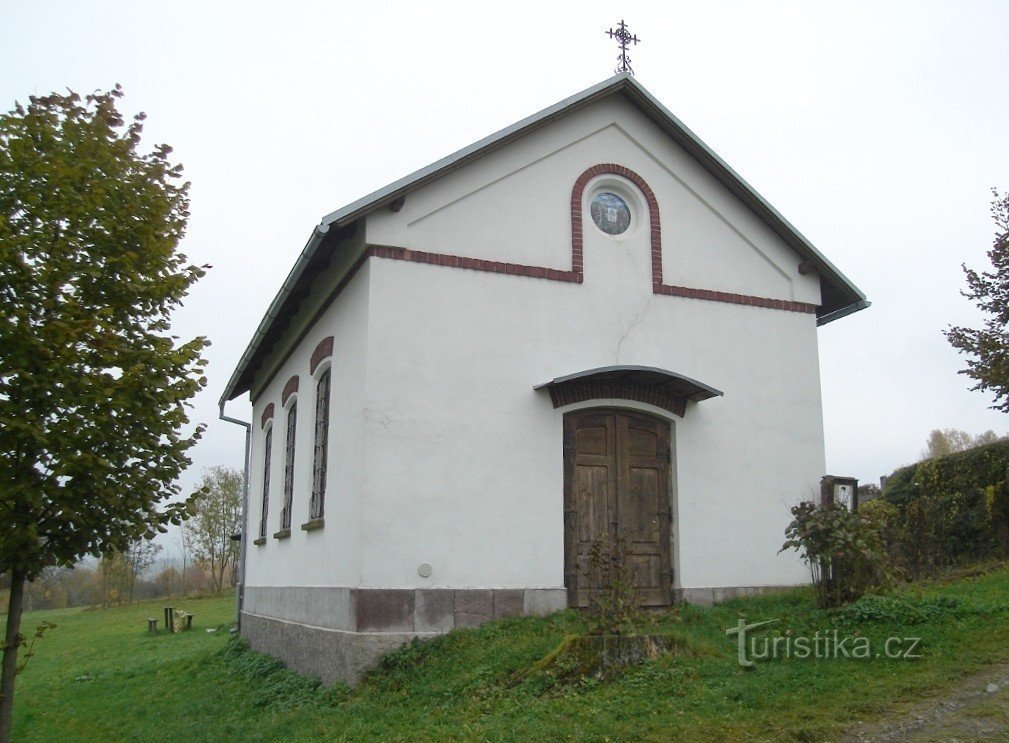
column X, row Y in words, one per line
column 329, row 556
column 440, row 450
column 465, row 459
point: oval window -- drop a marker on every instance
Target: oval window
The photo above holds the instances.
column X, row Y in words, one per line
column 610, row 213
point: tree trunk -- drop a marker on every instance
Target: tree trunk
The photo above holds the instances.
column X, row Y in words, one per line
column 10, row 656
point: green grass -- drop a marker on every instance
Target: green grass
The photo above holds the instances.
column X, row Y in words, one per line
column 99, row 676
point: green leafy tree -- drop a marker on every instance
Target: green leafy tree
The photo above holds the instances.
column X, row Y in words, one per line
column 94, row 390
column 217, row 514
column 987, row 348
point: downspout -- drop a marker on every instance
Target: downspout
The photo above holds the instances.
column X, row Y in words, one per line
column 243, row 540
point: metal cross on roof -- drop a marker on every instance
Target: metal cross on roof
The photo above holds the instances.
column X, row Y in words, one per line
column 624, row 37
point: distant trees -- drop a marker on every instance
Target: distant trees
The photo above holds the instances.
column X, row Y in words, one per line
column 107, row 582
column 120, row 571
column 216, row 515
column 987, row 348
column 949, row 440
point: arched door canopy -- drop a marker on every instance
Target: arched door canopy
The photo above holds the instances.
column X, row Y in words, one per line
column 646, row 384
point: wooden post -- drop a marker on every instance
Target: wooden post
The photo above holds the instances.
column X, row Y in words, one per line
column 170, row 618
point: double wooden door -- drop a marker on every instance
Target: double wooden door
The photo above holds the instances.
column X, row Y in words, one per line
column 616, row 493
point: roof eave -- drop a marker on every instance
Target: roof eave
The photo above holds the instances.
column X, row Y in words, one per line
column 237, row 384
column 739, row 187
column 843, row 312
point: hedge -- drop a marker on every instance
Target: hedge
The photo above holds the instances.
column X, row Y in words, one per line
column 948, row 511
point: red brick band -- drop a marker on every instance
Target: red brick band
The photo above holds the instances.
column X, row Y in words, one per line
column 751, row 301
column 289, row 389
column 655, row 234
column 322, row 351
column 474, row 264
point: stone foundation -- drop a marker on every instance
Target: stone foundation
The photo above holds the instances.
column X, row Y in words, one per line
column 708, row 595
column 336, row 634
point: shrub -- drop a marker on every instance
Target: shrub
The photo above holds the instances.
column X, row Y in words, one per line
column 614, row 606
column 845, row 551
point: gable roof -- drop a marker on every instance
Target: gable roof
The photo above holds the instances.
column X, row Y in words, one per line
column 840, row 297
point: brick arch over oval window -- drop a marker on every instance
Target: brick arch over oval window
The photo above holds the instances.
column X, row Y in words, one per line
column 577, row 217
column 711, row 295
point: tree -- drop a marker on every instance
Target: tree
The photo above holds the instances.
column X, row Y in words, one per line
column 217, row 514
column 182, row 540
column 987, row 348
column 166, row 581
column 950, row 440
column 120, row 571
column 94, row 390
column 139, row 558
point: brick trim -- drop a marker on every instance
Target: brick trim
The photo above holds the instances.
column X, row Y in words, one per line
column 655, row 232
column 746, row 299
column 289, row 389
column 322, row 351
column 577, row 218
column 473, row 264
column 583, row 390
column 267, row 415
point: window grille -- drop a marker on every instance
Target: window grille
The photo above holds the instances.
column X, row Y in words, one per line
column 321, row 441
column 266, row 482
column 285, row 515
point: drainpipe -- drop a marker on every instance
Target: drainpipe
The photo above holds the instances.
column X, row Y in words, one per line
column 242, row 536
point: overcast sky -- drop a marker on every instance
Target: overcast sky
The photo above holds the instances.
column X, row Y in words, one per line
column 876, row 128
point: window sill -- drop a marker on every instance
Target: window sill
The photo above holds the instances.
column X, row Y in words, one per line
column 282, row 534
column 314, row 524
column 259, row 540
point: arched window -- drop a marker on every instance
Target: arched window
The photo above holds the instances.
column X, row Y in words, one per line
column 321, row 444
column 292, row 424
column 320, row 368
column 267, row 447
column 289, row 399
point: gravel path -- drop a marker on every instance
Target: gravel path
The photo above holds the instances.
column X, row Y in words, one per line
column 977, row 709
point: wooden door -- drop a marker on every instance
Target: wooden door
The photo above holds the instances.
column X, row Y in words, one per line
column 616, row 488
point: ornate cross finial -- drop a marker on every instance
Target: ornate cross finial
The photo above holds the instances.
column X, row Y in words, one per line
column 624, row 37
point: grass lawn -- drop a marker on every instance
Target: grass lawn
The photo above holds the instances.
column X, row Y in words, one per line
column 100, row 676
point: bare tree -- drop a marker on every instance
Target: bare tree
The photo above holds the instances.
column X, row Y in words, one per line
column 216, row 516
column 139, row 558
column 182, row 540
column 949, row 440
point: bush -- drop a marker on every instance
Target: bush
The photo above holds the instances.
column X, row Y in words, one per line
column 950, row 510
column 845, row 551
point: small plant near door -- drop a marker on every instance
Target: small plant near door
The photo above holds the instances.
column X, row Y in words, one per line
column 615, row 640
column 614, row 605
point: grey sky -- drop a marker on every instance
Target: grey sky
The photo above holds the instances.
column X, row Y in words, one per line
column 876, row 128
